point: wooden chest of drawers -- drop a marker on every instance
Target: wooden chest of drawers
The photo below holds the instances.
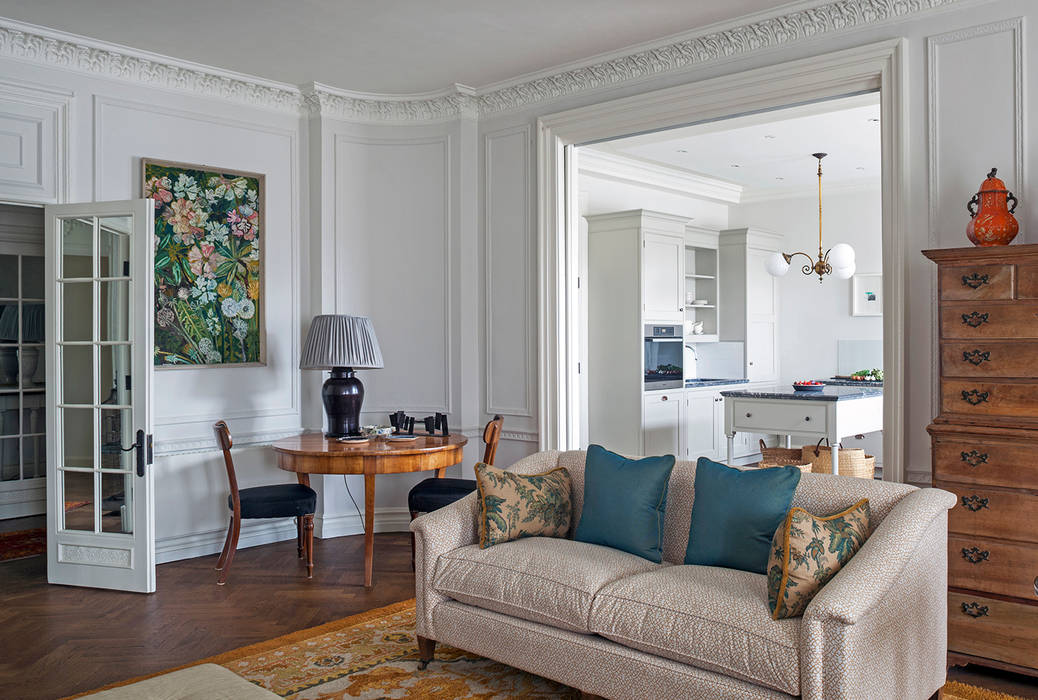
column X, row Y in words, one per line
column 985, row 451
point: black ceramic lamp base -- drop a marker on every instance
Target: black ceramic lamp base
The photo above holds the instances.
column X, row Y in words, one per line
column 342, row 394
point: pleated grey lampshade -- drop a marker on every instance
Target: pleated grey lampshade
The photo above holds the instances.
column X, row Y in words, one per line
column 336, row 340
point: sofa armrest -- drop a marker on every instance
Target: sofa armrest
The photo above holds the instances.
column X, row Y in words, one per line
column 437, row 533
column 879, row 627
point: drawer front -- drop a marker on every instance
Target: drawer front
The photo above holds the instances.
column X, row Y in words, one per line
column 987, row 512
column 788, row 416
column 980, row 320
column 989, row 359
column 976, row 282
column 993, row 567
column 973, row 398
column 993, row 629
column 990, row 463
column 1027, row 281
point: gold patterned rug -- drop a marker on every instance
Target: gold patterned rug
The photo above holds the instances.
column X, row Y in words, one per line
column 374, row 655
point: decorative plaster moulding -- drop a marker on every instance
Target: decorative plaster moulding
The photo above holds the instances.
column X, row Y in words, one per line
column 35, row 44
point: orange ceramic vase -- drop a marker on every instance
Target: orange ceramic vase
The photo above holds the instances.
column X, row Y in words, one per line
column 991, row 214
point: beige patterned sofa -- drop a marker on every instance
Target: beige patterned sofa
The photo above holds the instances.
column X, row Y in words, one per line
column 612, row 624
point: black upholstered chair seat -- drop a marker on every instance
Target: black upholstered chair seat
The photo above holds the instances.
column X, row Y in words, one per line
column 278, row 501
column 433, row 494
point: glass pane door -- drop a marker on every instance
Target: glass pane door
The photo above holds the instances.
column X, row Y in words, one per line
column 99, row 340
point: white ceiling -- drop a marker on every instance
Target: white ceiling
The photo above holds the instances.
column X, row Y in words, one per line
column 773, row 149
column 386, row 46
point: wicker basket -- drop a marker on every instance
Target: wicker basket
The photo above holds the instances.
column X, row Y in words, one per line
column 781, row 457
column 853, row 460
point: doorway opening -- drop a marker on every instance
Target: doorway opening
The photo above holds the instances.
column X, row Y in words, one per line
column 23, row 425
column 675, row 301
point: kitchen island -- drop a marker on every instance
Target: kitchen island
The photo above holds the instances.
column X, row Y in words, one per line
column 833, row 413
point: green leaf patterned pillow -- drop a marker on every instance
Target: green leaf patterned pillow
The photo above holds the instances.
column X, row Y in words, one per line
column 522, row 505
column 807, row 551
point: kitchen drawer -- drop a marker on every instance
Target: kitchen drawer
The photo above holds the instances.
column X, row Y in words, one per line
column 990, row 566
column 986, row 461
column 1010, row 320
column 991, row 358
column 976, row 282
column 973, row 398
column 993, row 629
column 993, row 512
column 781, row 417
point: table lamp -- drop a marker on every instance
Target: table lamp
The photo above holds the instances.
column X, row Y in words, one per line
column 341, row 344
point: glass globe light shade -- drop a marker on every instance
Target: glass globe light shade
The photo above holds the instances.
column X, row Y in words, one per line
column 776, row 265
column 845, row 272
column 841, row 255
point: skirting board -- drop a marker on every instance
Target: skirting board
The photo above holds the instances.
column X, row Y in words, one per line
column 257, row 532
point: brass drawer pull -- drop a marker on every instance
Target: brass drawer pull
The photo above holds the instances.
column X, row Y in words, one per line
column 975, row 609
column 975, row 319
column 974, row 458
column 974, row 281
column 976, row 357
column 975, row 555
column 974, row 502
column 974, row 397
column 1036, row 585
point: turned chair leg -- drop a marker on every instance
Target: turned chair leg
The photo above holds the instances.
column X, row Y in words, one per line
column 226, row 545
column 426, row 651
column 308, row 527
column 299, row 536
column 232, row 546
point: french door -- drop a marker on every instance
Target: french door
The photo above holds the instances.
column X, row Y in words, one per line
column 100, row 499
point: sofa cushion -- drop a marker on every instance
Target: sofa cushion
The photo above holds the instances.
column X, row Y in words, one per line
column 709, row 617
column 624, row 502
column 735, row 514
column 541, row 579
column 512, row 506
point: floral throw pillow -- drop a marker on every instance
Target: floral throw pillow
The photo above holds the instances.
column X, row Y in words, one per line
column 522, row 505
column 807, row 551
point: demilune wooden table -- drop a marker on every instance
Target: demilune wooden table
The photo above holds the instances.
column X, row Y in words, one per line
column 312, row 453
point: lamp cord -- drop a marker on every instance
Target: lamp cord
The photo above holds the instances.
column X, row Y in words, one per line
column 346, row 481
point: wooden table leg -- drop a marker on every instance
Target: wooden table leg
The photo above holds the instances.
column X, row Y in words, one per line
column 304, row 479
column 369, row 527
column 440, row 473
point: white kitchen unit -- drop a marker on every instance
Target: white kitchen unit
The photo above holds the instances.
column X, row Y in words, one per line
column 833, row 413
column 636, row 269
column 704, row 426
column 751, row 299
column 701, row 284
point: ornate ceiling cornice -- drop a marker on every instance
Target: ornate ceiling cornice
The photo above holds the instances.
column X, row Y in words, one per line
column 57, row 49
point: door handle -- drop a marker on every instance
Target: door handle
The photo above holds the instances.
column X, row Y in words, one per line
column 143, row 448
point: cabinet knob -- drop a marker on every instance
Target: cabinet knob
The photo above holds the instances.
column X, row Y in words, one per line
column 663, row 398
column 749, row 415
column 807, row 419
column 751, row 364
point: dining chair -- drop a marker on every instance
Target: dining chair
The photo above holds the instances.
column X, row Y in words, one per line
column 276, row 501
column 432, row 493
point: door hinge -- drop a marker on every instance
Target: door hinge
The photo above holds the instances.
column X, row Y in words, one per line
column 578, row 368
column 151, row 450
column 578, row 283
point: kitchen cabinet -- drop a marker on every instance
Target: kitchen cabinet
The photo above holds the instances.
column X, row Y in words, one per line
column 663, row 415
column 751, row 299
column 663, row 277
column 704, row 428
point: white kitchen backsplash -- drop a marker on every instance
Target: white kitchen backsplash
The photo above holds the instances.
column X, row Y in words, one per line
column 718, row 360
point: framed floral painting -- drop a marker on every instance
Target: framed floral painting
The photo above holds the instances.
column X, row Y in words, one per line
column 209, row 231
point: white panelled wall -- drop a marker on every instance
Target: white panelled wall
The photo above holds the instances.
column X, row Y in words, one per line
column 422, row 213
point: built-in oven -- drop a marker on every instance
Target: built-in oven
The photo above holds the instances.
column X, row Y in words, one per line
column 664, row 356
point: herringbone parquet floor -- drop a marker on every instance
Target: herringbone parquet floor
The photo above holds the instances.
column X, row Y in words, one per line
column 59, row 640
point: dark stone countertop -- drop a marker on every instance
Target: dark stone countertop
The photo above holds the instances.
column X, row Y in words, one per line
column 697, row 383
column 829, row 393
column 851, row 382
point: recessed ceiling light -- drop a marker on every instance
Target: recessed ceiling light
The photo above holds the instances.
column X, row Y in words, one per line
column 874, row 120
column 780, row 178
column 682, row 150
column 860, row 168
column 734, row 165
column 769, row 136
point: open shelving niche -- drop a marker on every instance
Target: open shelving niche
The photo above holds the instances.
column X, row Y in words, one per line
column 701, row 282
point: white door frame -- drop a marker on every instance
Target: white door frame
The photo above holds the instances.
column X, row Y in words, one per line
column 879, row 66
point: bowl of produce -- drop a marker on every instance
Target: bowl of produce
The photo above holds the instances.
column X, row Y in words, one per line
column 868, row 375
column 808, row 385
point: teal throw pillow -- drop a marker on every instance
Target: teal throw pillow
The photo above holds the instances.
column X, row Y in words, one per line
column 624, row 500
column 735, row 514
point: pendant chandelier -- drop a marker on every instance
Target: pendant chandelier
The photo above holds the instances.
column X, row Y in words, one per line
column 837, row 261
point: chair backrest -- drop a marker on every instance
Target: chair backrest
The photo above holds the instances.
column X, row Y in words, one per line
column 223, row 439
column 491, row 434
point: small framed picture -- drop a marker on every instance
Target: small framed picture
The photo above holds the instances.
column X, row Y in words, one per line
column 867, row 295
